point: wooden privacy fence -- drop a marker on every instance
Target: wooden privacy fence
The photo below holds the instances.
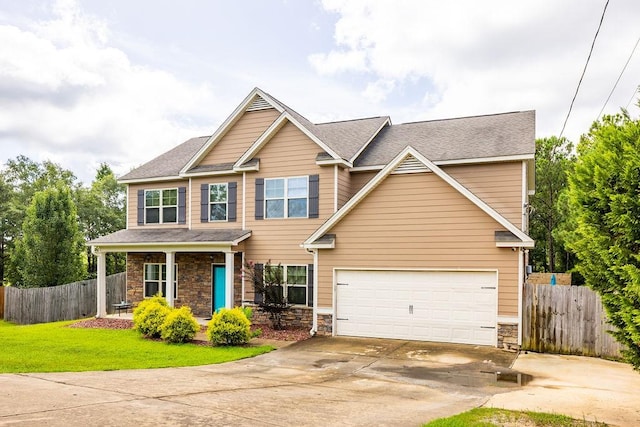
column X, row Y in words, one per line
column 66, row 302
column 566, row 320
column 1, row 302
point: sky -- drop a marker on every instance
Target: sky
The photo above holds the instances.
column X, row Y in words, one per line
column 85, row 82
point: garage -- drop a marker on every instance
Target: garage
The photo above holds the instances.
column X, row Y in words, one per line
column 442, row 306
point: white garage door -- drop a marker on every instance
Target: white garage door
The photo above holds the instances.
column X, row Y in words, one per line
column 444, row 306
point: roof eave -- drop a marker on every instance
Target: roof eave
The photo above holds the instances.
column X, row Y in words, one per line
column 146, row 180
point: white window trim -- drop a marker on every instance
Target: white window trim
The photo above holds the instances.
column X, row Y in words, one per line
column 286, row 285
column 226, row 203
column 161, row 206
column 285, row 198
column 144, row 279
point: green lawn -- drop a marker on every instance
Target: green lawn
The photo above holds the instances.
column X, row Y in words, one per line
column 490, row 417
column 52, row 347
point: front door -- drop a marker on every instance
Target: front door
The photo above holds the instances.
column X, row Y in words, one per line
column 218, row 286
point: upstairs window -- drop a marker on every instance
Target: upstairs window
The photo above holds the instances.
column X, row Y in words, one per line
column 161, row 206
column 218, row 202
column 286, row 197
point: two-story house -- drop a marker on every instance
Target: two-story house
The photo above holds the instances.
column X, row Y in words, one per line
column 413, row 231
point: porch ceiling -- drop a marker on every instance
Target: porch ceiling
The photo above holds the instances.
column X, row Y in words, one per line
column 147, row 239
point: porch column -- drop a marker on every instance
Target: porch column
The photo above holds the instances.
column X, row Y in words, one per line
column 170, row 297
column 228, row 269
column 101, row 288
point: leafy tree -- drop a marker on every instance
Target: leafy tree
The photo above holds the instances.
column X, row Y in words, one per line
column 604, row 203
column 22, row 178
column 102, row 210
column 554, row 160
column 49, row 252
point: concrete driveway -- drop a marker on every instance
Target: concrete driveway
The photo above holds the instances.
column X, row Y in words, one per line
column 321, row 381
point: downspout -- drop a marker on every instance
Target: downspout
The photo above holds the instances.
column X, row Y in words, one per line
column 314, row 326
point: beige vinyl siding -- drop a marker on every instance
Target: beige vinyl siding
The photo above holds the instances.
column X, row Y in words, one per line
column 132, row 202
column 289, row 153
column 418, row 221
column 497, row 184
column 359, row 180
column 240, row 137
column 344, row 186
column 195, row 201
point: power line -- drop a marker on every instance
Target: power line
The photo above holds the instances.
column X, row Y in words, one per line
column 585, row 68
column 632, row 96
column 617, row 81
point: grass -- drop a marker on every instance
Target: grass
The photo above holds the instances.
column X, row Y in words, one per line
column 489, row 417
column 52, row 347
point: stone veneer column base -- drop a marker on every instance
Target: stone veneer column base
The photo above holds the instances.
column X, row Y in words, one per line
column 325, row 324
column 508, row 336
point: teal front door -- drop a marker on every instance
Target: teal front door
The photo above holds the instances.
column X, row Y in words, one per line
column 218, row 285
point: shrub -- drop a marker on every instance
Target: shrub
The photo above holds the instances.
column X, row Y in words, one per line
column 229, row 327
column 149, row 316
column 179, row 326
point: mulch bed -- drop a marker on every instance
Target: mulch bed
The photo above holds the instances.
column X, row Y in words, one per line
column 267, row 331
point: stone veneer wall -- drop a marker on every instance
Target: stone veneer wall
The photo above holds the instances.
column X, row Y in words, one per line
column 325, row 324
column 294, row 318
column 194, row 278
column 508, row 336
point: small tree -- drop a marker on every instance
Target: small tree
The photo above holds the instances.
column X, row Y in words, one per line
column 268, row 282
column 50, row 250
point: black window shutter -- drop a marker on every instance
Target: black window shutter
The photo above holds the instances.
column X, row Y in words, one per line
column 182, row 205
column 314, row 196
column 140, row 207
column 259, row 198
column 258, row 270
column 232, row 201
column 310, row 285
column 204, row 203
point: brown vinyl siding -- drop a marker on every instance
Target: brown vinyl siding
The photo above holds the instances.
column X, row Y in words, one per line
column 359, row 180
column 498, row 184
column 289, row 153
column 344, row 186
column 195, row 201
column 240, row 137
column 132, row 202
column 419, row 221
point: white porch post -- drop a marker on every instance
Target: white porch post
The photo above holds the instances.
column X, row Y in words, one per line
column 228, row 269
column 101, row 288
column 170, row 297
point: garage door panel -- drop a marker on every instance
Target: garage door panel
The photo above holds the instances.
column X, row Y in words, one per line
column 435, row 306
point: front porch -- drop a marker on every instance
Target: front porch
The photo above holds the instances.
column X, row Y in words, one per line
column 203, row 266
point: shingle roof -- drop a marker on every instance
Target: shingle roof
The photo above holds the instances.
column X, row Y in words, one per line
column 346, row 138
column 168, row 164
column 170, row 235
column 497, row 135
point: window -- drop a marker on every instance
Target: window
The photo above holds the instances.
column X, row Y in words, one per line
column 286, row 197
column 155, row 279
column 294, row 278
column 161, row 206
column 218, row 201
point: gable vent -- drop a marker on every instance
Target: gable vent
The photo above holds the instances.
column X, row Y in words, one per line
column 259, row 104
column 411, row 165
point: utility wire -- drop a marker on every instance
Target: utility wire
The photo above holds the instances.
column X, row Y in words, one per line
column 617, row 81
column 585, row 68
column 632, row 96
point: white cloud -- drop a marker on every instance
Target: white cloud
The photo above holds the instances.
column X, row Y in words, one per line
column 490, row 56
column 67, row 94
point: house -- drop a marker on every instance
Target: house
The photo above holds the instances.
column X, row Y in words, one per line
column 413, row 231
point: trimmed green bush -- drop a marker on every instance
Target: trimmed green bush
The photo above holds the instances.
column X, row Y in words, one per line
column 229, row 327
column 149, row 316
column 179, row 326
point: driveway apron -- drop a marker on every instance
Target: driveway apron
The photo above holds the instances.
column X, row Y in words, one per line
column 320, row 381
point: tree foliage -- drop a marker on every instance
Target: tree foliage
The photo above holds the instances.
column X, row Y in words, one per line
column 604, row 203
column 554, row 160
column 50, row 250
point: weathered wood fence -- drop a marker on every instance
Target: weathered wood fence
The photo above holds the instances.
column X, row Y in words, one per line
column 566, row 320
column 66, row 302
column 1, row 302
